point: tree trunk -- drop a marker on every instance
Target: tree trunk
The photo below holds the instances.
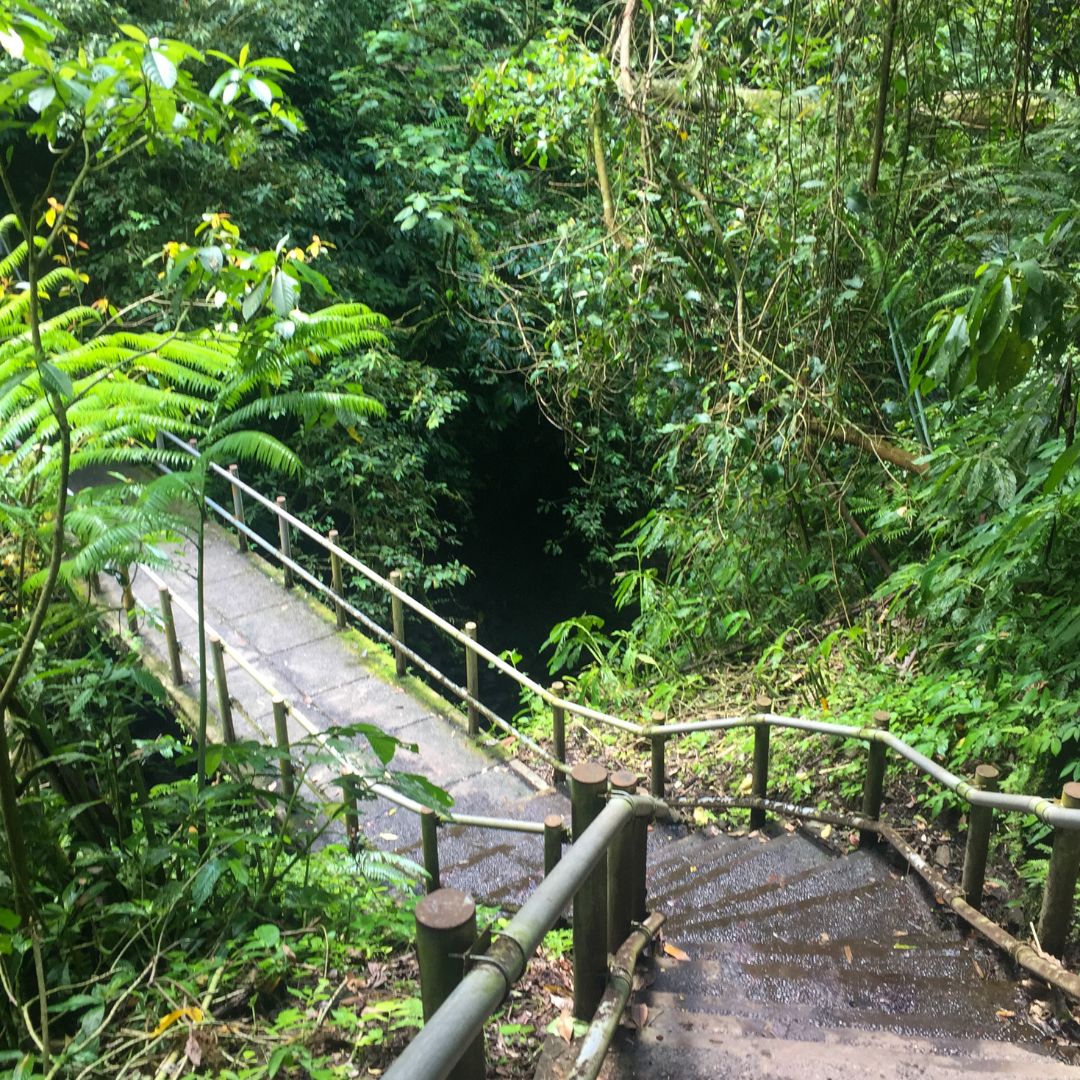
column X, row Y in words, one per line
column 884, row 82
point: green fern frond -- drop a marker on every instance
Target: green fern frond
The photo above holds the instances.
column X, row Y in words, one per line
column 388, row 868
column 255, row 446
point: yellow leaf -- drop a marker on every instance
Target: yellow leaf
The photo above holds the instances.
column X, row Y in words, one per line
column 675, row 952
column 190, row 1012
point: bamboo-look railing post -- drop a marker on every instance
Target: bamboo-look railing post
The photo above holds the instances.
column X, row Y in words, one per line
column 977, row 844
column 1057, row 905
column 159, row 440
column 171, row 642
column 639, row 832
column 281, row 731
column 472, row 681
column 588, row 786
column 554, row 830
column 874, row 783
column 445, row 931
column 622, row 872
column 284, row 541
column 760, row 788
column 352, row 814
column 657, row 742
column 337, row 580
column 217, row 653
column 238, row 506
column 558, row 731
column 397, row 621
column 128, row 599
column 429, row 841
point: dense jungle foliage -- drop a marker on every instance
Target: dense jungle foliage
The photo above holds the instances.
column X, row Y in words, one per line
column 795, row 285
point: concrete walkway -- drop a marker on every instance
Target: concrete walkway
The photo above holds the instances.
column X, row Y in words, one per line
column 338, row 679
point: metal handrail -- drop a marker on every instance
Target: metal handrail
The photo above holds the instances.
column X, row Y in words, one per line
column 1046, row 810
column 380, row 789
column 443, row 1039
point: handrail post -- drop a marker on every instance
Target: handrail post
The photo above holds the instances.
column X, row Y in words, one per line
column 171, row 643
column 352, row 815
column 657, row 741
column 337, row 580
column 588, row 786
column 445, row 931
column 639, row 830
column 429, row 840
column 558, row 732
column 874, row 784
column 554, row 836
column 1057, row 905
column 217, row 652
column 128, row 599
column 238, row 506
column 554, row 831
column 397, row 620
column 284, row 541
column 622, row 872
column 760, row 789
column 281, row 730
column 977, row 844
column 472, row 681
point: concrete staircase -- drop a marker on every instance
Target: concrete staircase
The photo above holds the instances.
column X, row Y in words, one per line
column 806, row 965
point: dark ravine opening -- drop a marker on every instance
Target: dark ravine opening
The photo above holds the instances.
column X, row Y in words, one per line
column 518, row 589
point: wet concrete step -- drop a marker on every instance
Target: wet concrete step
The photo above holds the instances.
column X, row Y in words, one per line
column 826, row 989
column 878, row 909
column 715, row 875
column 924, row 954
column 790, row 889
column 678, row 1043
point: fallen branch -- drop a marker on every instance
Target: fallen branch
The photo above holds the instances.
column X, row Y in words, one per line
column 882, row 449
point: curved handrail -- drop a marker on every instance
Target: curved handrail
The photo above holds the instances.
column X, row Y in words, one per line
column 1046, row 810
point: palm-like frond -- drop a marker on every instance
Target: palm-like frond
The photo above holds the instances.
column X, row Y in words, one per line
column 254, row 446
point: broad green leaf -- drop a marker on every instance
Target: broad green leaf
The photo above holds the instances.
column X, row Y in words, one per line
column 159, row 69
column 1060, row 468
column 953, row 345
column 212, row 258
column 214, row 754
column 133, row 32
column 253, row 301
column 205, row 880
column 12, row 43
column 8, row 919
column 997, row 314
column 41, row 98
column 1035, row 313
column 1014, row 362
column 284, row 293
column 420, row 788
column 267, row 935
column 260, row 91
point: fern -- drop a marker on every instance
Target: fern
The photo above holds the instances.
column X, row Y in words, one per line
column 388, row 868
